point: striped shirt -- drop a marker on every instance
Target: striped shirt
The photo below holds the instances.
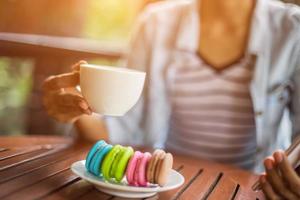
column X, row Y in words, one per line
column 212, row 112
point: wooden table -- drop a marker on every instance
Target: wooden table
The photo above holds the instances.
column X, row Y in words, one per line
column 39, row 168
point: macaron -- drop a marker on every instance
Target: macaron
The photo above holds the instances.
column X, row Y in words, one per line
column 135, row 173
column 122, row 163
column 108, row 161
column 157, row 154
column 141, row 168
column 163, row 169
column 92, row 152
column 159, row 167
column 115, row 163
column 96, row 163
column 131, row 167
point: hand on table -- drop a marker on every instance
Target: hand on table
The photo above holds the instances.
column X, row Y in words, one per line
column 281, row 180
column 61, row 99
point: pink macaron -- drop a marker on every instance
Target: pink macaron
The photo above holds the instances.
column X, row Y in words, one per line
column 131, row 168
column 141, row 169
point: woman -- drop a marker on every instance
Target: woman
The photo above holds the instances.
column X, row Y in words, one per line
column 220, row 76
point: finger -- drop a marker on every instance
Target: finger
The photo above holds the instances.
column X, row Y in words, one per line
column 288, row 173
column 74, row 101
column 76, row 66
column 63, row 98
column 275, row 180
column 64, row 103
column 267, row 189
column 57, row 82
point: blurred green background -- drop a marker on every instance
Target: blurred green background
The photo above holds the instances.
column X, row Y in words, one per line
column 15, row 84
column 107, row 20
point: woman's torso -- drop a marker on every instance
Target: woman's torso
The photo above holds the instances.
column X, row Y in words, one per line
column 211, row 111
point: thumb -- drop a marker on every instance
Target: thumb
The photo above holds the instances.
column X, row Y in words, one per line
column 76, row 66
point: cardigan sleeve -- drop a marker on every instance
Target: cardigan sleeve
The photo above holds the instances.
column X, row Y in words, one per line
column 147, row 123
column 295, row 100
column 130, row 128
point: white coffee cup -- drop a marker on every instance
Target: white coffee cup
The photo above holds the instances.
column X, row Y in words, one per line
column 110, row 90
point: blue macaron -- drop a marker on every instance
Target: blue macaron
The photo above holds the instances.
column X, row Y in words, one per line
column 95, row 166
column 91, row 154
column 93, row 159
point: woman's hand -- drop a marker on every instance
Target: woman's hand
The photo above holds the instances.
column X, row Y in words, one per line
column 281, row 180
column 61, row 99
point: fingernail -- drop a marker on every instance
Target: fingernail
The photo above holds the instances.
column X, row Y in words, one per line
column 268, row 164
column 83, row 105
column 278, row 157
column 263, row 179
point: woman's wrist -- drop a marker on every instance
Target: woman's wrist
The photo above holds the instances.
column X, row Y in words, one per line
column 91, row 128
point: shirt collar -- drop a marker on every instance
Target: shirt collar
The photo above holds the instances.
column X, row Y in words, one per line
column 188, row 32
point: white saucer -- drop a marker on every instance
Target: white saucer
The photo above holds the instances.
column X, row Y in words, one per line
column 122, row 189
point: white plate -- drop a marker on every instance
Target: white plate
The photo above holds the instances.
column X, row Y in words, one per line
column 122, row 189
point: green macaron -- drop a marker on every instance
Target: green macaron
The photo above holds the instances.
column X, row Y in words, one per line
column 115, row 163
column 122, row 163
column 108, row 161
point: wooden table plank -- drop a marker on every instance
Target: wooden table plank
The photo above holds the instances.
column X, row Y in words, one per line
column 57, row 155
column 202, row 186
column 4, row 164
column 18, row 160
column 224, row 189
column 74, row 191
column 247, row 194
column 18, row 151
column 38, row 175
column 95, row 194
column 27, row 141
column 190, row 174
column 44, row 187
column 245, row 181
column 120, row 198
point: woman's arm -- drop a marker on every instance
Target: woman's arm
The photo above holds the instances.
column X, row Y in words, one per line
column 295, row 103
column 281, row 180
column 91, row 128
column 65, row 104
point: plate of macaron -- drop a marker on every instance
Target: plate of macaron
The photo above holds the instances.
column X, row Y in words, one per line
column 122, row 171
